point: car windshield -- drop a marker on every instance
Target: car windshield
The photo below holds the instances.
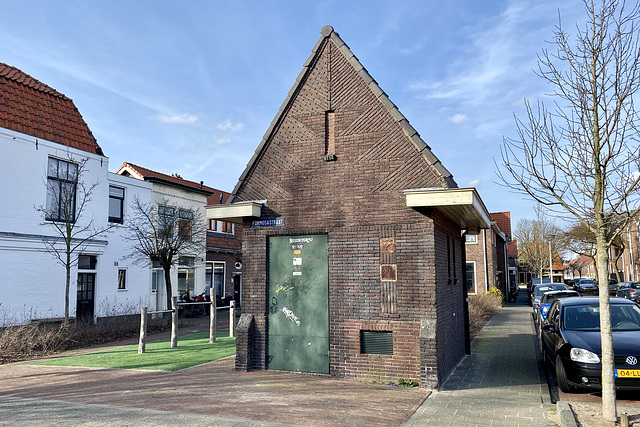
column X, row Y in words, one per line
column 549, row 298
column 588, row 281
column 624, row 317
column 546, row 288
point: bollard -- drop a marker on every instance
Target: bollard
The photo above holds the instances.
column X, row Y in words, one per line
column 143, row 330
column 213, row 316
column 232, row 318
column 174, row 322
column 624, row 420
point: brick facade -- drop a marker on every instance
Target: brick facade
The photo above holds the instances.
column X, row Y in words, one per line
column 336, row 162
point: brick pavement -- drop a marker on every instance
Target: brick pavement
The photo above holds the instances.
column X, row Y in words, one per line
column 500, row 384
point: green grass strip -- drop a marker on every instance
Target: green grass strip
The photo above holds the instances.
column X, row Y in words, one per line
column 192, row 350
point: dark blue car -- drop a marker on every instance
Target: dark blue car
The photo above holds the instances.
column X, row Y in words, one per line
column 570, row 340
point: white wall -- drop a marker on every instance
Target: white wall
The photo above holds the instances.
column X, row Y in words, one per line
column 32, row 282
column 197, row 203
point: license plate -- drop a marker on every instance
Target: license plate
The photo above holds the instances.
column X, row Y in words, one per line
column 627, row 373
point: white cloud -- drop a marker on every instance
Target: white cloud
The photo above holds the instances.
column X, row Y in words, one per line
column 228, row 125
column 459, row 118
column 177, row 118
column 475, row 183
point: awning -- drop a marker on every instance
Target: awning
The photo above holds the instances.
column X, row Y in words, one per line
column 462, row 205
column 234, row 212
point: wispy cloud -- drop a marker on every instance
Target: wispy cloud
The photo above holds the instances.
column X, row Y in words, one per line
column 475, row 183
column 177, row 118
column 229, row 126
column 459, row 118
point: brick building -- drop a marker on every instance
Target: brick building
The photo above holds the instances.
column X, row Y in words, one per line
column 352, row 243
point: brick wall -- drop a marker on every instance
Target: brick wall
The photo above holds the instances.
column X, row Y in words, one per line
column 357, row 199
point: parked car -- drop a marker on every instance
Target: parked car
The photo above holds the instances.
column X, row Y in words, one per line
column 547, row 299
column 531, row 284
column 540, row 290
column 570, row 341
column 613, row 287
column 585, row 284
column 629, row 290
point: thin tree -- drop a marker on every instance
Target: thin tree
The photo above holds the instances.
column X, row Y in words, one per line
column 582, row 156
column 534, row 236
column 66, row 212
column 164, row 233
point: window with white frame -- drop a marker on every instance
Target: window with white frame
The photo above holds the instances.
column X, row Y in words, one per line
column 221, row 226
column 215, row 275
column 166, row 216
column 185, row 223
column 471, row 239
column 116, row 204
column 62, row 177
column 471, row 277
column 122, row 279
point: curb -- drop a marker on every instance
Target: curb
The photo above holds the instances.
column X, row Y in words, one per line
column 567, row 419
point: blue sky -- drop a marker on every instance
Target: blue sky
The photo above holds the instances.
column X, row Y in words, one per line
column 190, row 87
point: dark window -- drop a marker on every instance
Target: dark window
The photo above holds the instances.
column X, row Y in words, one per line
column 116, row 204
column 166, row 215
column 376, row 342
column 62, row 178
column 87, row 262
column 122, row 279
column 185, row 222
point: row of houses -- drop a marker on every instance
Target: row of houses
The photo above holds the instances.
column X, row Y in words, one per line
column 348, row 243
column 46, row 144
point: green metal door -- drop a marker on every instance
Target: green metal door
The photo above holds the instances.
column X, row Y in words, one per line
column 298, row 319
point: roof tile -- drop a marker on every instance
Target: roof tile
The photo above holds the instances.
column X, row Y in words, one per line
column 33, row 108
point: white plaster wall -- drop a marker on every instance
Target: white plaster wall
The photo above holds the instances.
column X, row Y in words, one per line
column 197, row 203
column 32, row 282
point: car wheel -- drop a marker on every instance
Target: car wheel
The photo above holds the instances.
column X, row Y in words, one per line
column 561, row 374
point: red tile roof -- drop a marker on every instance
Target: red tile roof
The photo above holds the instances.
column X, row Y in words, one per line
column 148, row 174
column 504, row 221
column 31, row 107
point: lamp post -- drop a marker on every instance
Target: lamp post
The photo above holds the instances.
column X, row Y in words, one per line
column 549, row 238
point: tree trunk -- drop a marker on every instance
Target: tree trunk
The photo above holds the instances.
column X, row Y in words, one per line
column 609, row 411
column 167, row 284
column 68, row 281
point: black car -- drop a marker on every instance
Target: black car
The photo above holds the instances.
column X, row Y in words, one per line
column 570, row 340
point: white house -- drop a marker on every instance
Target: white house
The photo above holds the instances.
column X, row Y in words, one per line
column 43, row 141
column 189, row 197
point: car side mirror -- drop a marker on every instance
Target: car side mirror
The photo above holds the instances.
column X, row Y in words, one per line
column 549, row 327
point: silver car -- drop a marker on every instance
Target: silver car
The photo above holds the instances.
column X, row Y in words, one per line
column 541, row 290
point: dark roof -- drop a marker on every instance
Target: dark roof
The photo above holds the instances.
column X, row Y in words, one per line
column 172, row 180
column 329, row 35
column 31, row 107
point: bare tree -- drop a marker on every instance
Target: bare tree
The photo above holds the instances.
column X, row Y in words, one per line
column 534, row 237
column 164, row 233
column 68, row 198
column 582, row 157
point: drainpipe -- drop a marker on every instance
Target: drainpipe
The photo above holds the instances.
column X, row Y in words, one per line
column 486, row 263
column 506, row 270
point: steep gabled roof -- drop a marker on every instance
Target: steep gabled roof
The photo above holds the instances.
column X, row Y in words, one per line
column 328, row 33
column 504, row 221
column 31, row 107
column 129, row 169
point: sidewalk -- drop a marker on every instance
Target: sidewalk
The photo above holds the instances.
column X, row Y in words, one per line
column 500, row 384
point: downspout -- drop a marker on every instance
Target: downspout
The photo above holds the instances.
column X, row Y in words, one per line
column 486, row 263
column 507, row 273
column 465, row 293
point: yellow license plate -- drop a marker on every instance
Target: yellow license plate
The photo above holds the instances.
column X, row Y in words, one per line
column 628, row 373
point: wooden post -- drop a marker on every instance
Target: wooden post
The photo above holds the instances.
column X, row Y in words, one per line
column 213, row 317
column 624, row 420
column 174, row 322
column 143, row 330
column 232, row 318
